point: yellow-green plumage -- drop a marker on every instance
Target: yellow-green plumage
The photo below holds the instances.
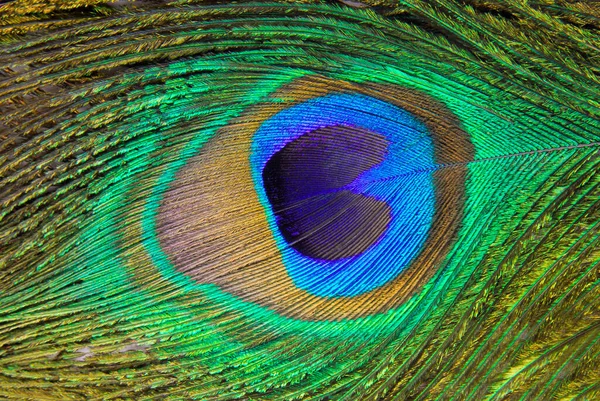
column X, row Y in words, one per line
column 146, row 254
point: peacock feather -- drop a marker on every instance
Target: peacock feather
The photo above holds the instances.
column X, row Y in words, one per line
column 300, row 200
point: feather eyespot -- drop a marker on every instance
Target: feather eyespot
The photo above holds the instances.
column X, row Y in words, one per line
column 338, row 201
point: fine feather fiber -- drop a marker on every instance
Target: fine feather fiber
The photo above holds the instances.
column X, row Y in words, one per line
column 300, row 200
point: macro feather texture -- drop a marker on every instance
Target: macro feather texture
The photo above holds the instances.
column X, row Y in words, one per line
column 300, row 200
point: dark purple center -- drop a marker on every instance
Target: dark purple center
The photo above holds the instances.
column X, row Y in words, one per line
column 308, row 184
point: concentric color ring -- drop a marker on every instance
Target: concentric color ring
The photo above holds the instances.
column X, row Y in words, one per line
column 217, row 245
